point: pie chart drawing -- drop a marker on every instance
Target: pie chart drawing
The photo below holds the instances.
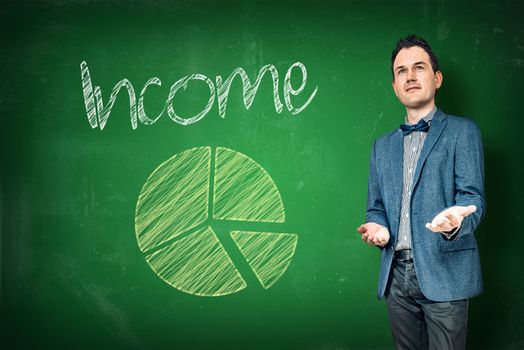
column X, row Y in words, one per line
column 173, row 224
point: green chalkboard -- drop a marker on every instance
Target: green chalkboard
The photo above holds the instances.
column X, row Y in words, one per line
column 191, row 174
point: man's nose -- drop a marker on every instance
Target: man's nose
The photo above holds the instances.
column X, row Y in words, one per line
column 412, row 75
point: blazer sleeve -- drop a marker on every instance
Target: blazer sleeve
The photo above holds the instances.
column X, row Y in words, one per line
column 376, row 212
column 469, row 176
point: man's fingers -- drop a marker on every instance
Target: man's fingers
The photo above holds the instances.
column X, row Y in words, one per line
column 432, row 227
column 373, row 233
column 450, row 218
column 440, row 220
column 443, row 225
column 369, row 228
column 367, row 239
column 365, row 234
column 376, row 241
column 362, row 229
column 465, row 211
column 453, row 220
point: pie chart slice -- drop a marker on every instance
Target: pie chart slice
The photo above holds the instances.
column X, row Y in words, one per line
column 244, row 190
column 174, row 198
column 268, row 254
column 197, row 264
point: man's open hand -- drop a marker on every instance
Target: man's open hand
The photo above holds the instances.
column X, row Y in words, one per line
column 450, row 218
column 373, row 233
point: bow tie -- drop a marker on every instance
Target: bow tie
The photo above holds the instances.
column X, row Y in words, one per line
column 422, row 125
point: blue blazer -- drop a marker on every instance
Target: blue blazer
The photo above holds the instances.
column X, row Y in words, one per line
column 450, row 172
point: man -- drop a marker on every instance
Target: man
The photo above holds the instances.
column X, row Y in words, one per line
column 425, row 200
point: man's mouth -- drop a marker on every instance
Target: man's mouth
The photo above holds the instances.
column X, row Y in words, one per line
column 412, row 88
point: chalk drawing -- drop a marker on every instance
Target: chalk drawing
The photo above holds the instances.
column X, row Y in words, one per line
column 197, row 264
column 98, row 112
column 89, row 98
column 268, row 254
column 173, row 226
column 174, row 198
column 183, row 83
column 141, row 111
column 91, row 95
column 289, row 89
column 244, row 190
column 249, row 90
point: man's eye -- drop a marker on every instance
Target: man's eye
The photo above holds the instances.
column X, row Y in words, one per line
column 401, row 71
column 420, row 68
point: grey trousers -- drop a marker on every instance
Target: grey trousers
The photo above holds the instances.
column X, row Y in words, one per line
column 419, row 323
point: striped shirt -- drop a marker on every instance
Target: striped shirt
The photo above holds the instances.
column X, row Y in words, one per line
column 413, row 144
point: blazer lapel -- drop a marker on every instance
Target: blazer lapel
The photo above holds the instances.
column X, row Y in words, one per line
column 437, row 125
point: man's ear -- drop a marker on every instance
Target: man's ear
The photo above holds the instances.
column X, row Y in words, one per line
column 438, row 79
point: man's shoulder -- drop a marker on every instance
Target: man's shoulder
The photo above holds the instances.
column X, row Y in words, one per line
column 388, row 137
column 456, row 122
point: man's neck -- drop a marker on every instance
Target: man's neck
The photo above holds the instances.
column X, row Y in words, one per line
column 415, row 114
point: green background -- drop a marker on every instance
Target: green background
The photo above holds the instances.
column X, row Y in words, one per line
column 72, row 275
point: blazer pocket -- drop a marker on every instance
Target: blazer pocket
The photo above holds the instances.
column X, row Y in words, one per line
column 461, row 243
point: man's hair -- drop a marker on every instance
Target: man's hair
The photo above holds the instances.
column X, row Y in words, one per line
column 410, row 41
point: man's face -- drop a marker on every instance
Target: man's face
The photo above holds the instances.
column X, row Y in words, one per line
column 414, row 81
